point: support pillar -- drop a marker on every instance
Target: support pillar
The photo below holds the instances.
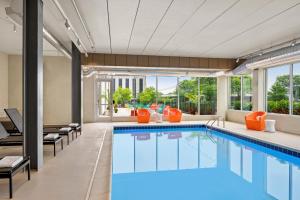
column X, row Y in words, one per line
column 222, row 92
column 33, row 81
column 76, row 85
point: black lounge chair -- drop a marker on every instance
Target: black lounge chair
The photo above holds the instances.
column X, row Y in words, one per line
column 76, row 129
column 9, row 172
column 66, row 133
column 16, row 119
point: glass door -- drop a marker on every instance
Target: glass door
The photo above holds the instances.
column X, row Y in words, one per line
column 104, row 98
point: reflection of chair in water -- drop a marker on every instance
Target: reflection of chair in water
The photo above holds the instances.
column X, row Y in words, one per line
column 140, row 136
column 174, row 135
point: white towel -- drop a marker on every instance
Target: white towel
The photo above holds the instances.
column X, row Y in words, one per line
column 51, row 136
column 74, row 125
column 65, row 129
column 10, row 161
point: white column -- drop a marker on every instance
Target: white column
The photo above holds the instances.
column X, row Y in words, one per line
column 255, row 88
column 222, row 95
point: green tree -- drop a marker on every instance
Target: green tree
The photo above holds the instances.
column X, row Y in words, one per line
column 148, row 95
column 122, row 96
column 189, row 89
column 279, row 90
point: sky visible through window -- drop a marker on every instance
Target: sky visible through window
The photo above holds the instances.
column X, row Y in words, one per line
column 273, row 73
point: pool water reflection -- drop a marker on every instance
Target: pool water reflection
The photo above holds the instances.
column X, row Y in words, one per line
column 196, row 164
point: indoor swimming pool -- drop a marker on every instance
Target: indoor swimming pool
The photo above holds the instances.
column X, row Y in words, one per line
column 193, row 162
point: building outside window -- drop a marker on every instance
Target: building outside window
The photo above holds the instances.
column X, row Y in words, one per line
column 127, row 82
column 120, row 82
column 134, row 88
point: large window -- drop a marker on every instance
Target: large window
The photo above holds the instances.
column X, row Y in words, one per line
column 235, row 93
column 166, row 90
column 296, row 89
column 198, row 95
column 240, row 92
column 278, row 84
column 208, row 95
column 188, row 95
column 193, row 95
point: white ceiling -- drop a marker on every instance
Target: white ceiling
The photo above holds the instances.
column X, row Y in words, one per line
column 10, row 41
column 210, row 28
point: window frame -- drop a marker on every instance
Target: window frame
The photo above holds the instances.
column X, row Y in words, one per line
column 290, row 89
column 241, row 91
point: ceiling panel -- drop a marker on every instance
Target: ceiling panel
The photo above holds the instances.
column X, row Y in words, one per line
column 244, row 17
column 229, row 24
column 280, row 29
column 122, row 13
column 177, row 16
column 95, row 14
column 204, row 16
column 148, row 17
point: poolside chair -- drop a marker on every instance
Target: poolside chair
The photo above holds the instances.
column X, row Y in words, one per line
column 174, row 115
column 166, row 112
column 9, row 171
column 256, row 120
column 62, row 130
column 143, row 116
column 16, row 119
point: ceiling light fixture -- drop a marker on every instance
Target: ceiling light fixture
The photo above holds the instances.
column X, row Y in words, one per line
column 67, row 25
column 72, row 30
column 78, row 43
column 15, row 28
column 293, row 43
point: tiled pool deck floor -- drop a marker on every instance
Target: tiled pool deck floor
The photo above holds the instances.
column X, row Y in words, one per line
column 77, row 173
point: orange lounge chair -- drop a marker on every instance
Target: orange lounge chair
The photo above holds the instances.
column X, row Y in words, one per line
column 143, row 116
column 256, row 120
column 174, row 115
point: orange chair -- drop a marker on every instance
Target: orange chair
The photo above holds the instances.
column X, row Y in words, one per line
column 166, row 112
column 256, row 120
column 174, row 115
column 143, row 116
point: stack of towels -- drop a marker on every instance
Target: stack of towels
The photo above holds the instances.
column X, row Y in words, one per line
column 73, row 125
column 10, row 161
column 65, row 129
column 51, row 136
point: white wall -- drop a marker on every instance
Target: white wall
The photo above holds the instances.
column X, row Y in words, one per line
column 57, row 87
column 3, row 83
column 88, row 93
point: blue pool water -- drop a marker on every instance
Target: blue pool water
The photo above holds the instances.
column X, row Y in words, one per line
column 194, row 164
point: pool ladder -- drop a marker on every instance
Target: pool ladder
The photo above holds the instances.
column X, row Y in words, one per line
column 209, row 124
column 217, row 119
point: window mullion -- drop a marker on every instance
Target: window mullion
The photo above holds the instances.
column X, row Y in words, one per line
column 241, row 93
column 291, row 90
